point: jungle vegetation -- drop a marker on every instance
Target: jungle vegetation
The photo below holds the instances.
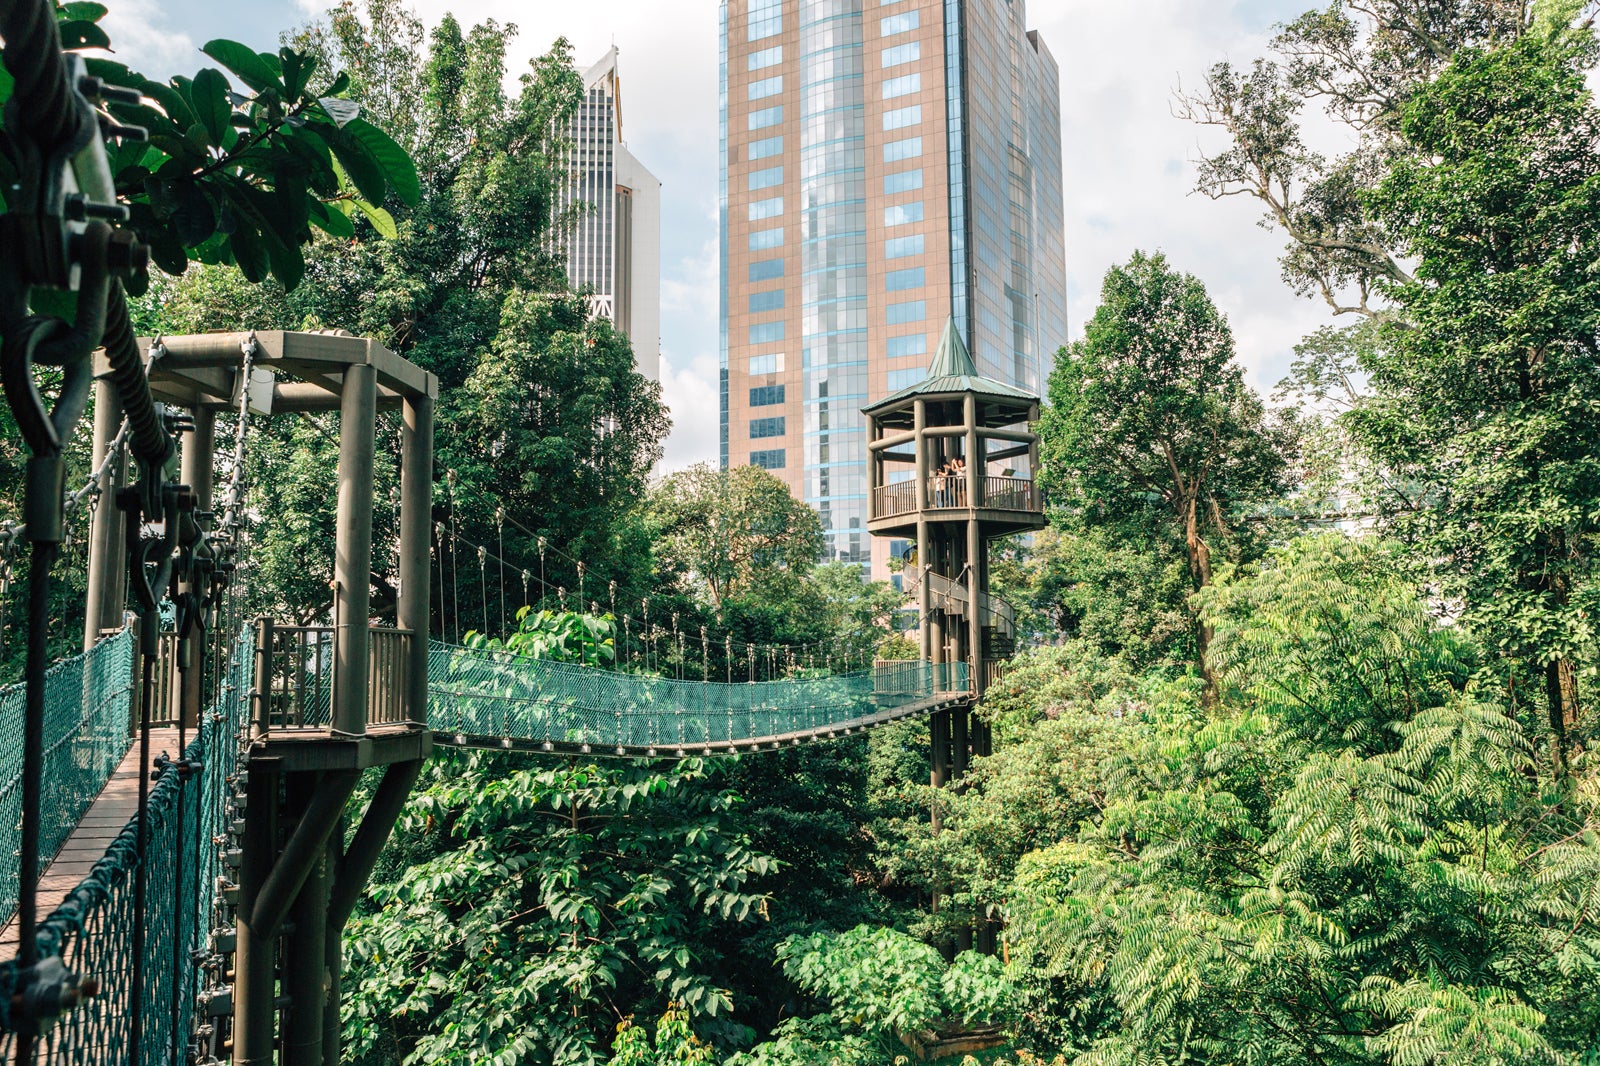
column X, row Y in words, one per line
column 1299, row 763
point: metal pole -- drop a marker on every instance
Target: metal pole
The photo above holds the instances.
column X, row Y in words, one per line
column 416, row 516
column 104, row 594
column 352, row 569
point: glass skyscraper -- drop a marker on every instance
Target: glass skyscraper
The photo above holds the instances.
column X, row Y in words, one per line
column 887, row 165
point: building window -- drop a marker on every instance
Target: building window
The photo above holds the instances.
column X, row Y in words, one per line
column 766, row 332
column 766, row 19
column 900, row 247
column 766, row 179
column 900, row 214
column 901, row 379
column 770, row 208
column 893, row 24
column 766, row 87
column 766, row 269
column 915, row 344
column 766, row 116
column 766, row 301
column 772, row 459
column 902, row 53
column 902, row 86
column 767, row 147
column 763, row 239
column 766, row 395
column 898, row 280
column 910, row 311
column 767, row 57
column 895, row 151
column 766, row 364
column 904, row 181
column 901, row 117
column 767, row 427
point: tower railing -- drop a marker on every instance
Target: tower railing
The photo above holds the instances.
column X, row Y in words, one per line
column 295, row 677
column 951, row 491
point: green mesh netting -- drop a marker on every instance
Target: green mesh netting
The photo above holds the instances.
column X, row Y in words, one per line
column 495, row 694
column 86, row 703
column 92, row 928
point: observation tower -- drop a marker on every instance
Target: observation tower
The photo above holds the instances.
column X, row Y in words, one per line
column 951, row 463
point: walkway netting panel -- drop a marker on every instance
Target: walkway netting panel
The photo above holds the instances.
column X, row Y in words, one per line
column 86, row 706
column 491, row 693
column 93, row 928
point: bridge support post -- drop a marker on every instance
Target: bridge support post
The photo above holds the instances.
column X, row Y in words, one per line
column 416, row 519
column 255, row 994
column 305, row 975
column 195, row 472
column 352, row 567
column 105, row 589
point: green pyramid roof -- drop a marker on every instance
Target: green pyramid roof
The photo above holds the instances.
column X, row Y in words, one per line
column 953, row 370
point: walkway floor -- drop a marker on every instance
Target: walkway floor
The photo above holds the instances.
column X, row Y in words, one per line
column 111, row 810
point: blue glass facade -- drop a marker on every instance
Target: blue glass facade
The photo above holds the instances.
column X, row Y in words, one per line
column 887, row 164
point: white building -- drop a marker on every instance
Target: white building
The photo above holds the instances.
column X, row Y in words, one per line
column 615, row 248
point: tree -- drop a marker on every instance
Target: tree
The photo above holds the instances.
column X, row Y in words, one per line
column 1362, row 63
column 1350, row 859
column 1484, row 386
column 1151, row 429
column 533, row 904
column 734, row 532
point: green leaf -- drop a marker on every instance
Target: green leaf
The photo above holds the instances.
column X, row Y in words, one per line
column 397, row 164
column 297, row 70
column 7, row 83
column 80, row 34
column 331, row 220
column 249, row 253
column 360, row 168
column 209, row 95
column 251, row 67
column 81, row 11
column 340, row 110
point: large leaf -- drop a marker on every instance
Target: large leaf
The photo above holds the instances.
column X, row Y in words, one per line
column 331, row 220
column 81, row 34
column 249, row 252
column 396, row 161
column 360, row 168
column 81, row 11
column 340, row 110
column 209, row 95
column 381, row 220
column 251, row 67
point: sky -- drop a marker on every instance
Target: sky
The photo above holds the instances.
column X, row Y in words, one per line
column 1127, row 162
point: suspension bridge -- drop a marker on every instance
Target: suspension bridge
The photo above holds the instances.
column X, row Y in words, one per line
column 178, row 797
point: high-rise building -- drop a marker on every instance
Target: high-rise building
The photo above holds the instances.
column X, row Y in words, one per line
column 614, row 250
column 888, row 165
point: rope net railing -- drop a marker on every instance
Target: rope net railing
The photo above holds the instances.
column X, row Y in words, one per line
column 490, row 693
column 144, row 1008
column 87, row 701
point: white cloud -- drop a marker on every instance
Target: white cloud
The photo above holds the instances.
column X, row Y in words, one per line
column 141, row 36
column 1128, row 167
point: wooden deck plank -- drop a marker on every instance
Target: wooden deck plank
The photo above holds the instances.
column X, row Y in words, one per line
column 117, row 803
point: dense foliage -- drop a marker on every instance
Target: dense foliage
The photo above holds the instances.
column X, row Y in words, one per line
column 1257, row 795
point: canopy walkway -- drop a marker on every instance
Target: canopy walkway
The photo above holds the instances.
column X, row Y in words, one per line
column 170, row 977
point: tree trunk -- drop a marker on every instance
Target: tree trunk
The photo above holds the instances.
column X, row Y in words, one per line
column 1561, row 695
column 1200, row 572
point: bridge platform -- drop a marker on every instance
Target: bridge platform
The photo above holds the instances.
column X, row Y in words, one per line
column 116, row 805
